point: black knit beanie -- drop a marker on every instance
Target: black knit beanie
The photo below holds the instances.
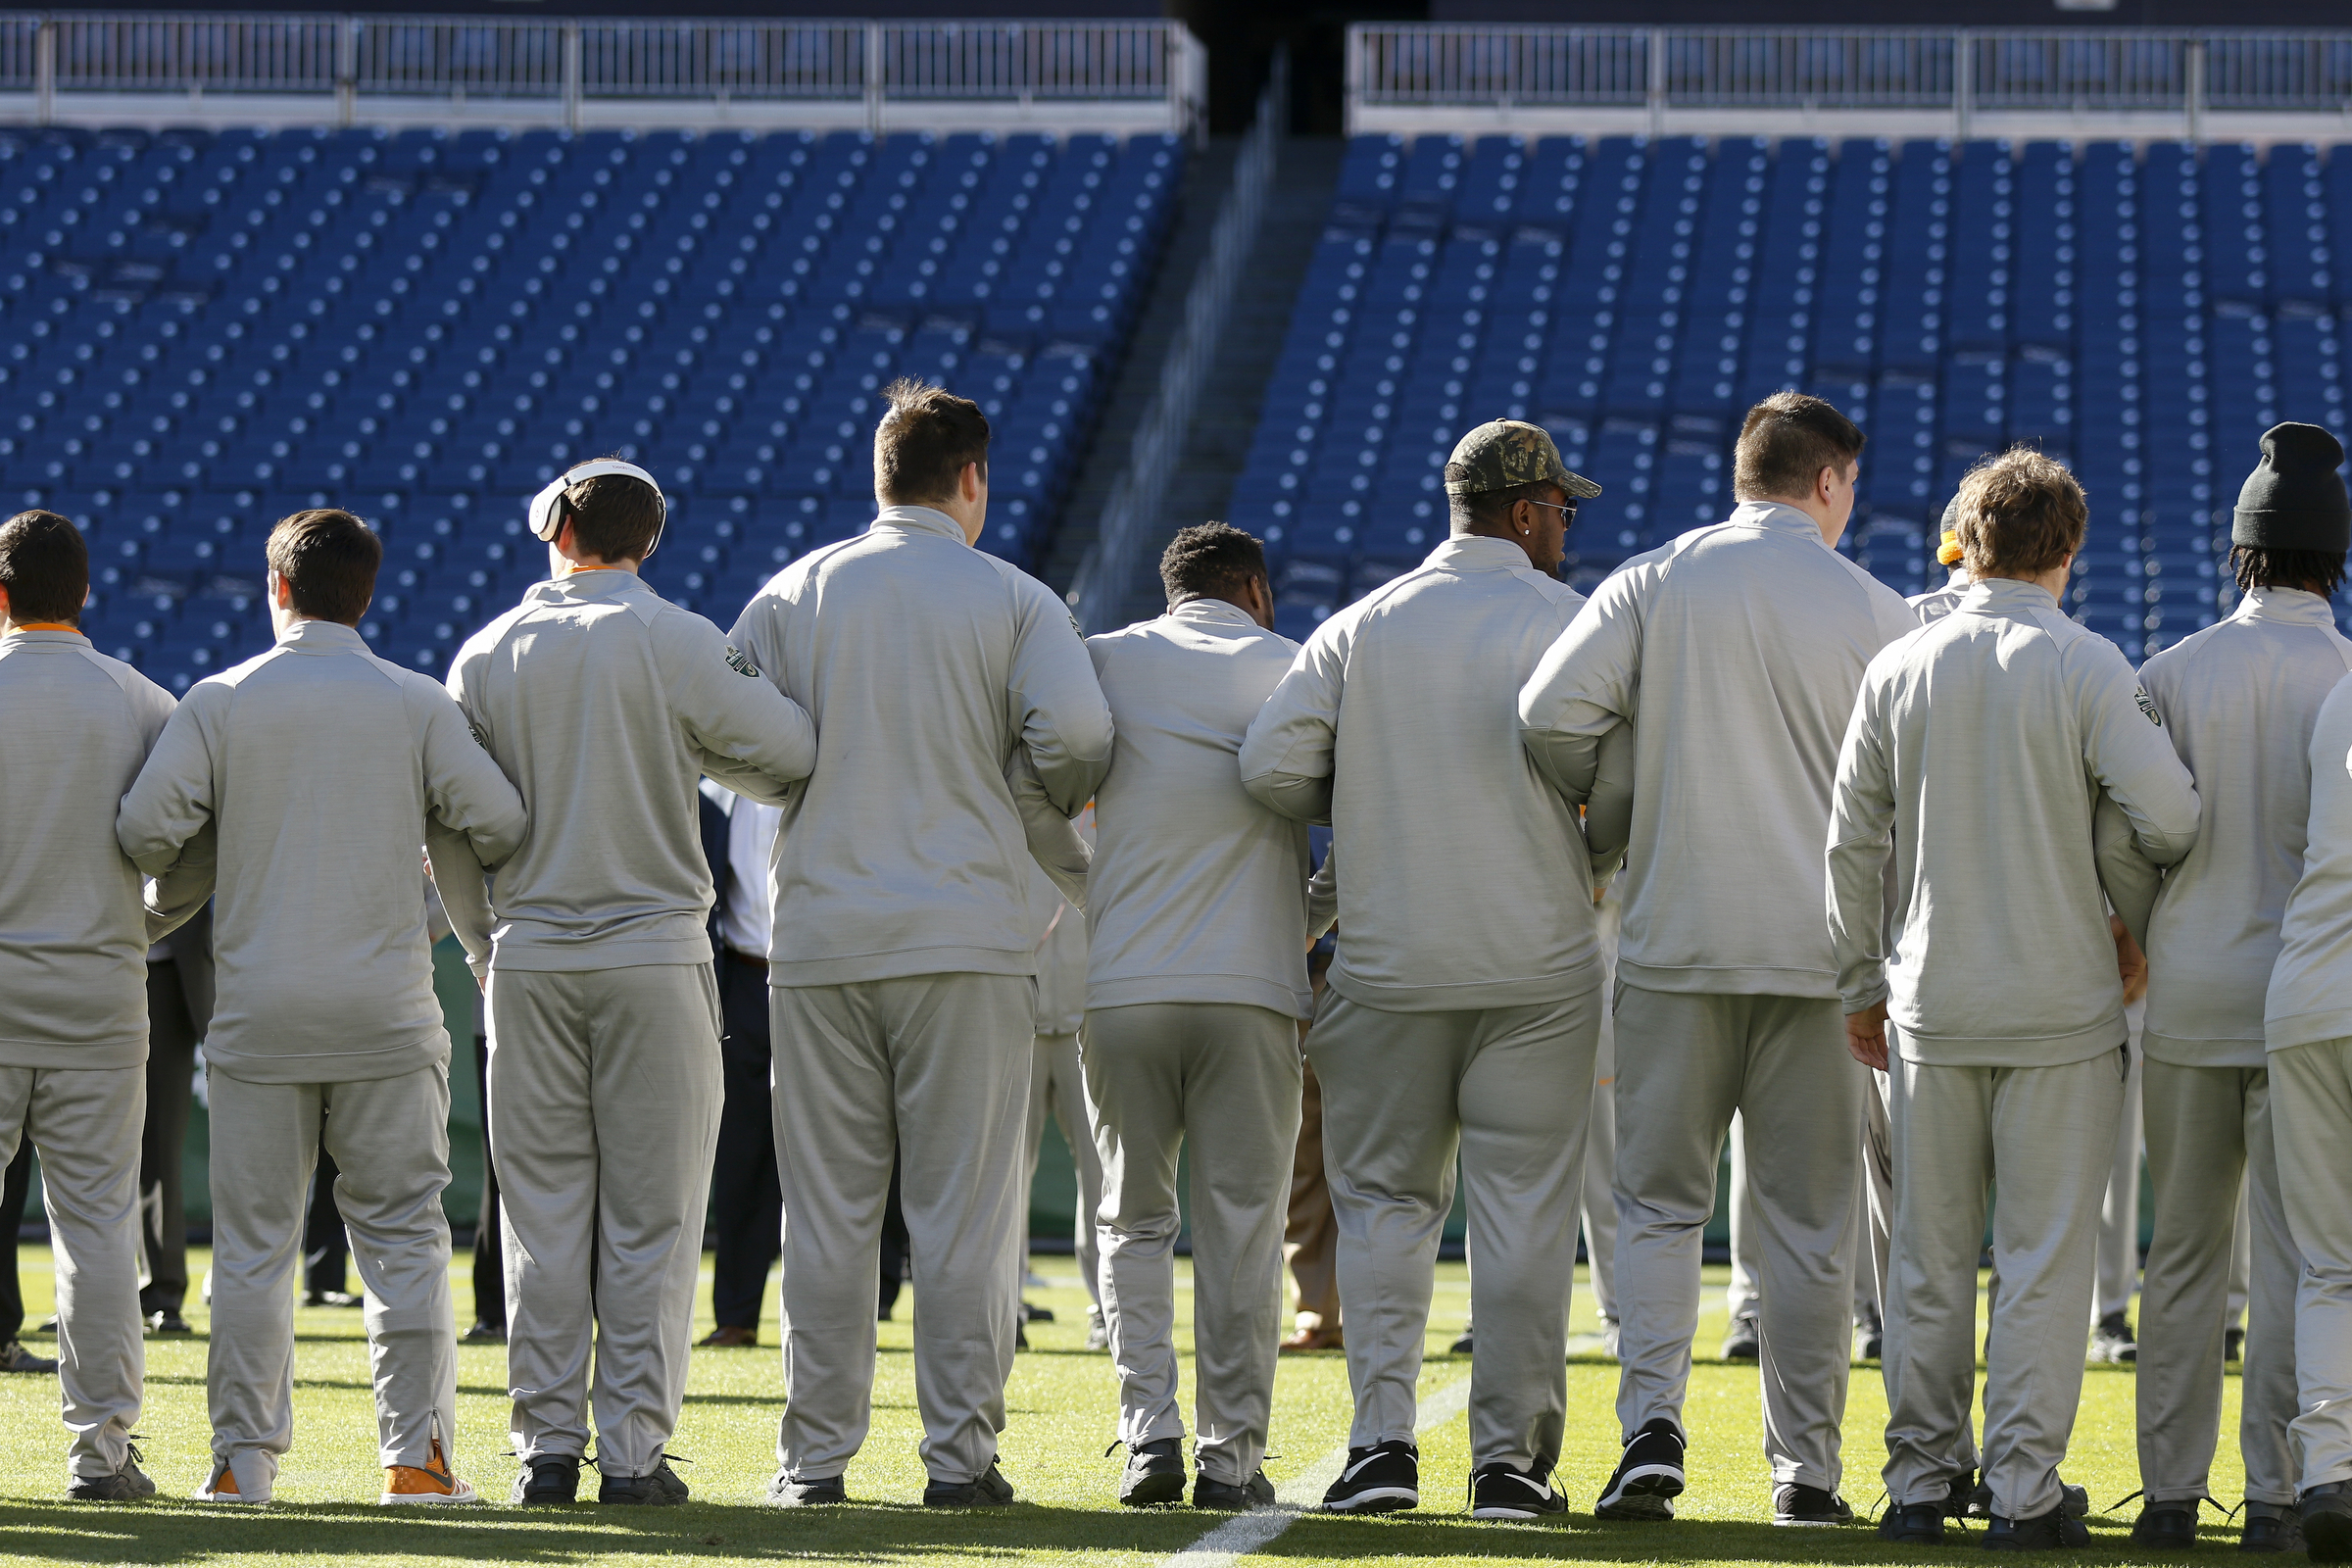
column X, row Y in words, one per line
column 2294, row 499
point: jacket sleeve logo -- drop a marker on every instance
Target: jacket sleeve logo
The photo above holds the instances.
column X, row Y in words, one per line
column 2148, row 707
column 740, row 663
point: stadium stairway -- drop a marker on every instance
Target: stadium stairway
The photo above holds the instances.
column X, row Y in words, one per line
column 2144, row 314
column 1207, row 176
column 203, row 331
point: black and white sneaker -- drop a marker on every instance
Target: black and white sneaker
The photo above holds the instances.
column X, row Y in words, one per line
column 1499, row 1490
column 1381, row 1479
column 784, row 1492
column 1648, row 1478
column 1795, row 1505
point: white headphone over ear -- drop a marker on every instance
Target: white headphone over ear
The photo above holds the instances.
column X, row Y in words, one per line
column 548, row 510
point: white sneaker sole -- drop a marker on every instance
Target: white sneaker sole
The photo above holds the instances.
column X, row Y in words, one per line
column 1498, row 1512
column 1375, row 1499
column 430, row 1500
column 234, row 1498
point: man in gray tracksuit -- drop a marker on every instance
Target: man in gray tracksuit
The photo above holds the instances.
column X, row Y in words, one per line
column 74, row 943
column 322, row 769
column 2297, row 501
column 605, row 704
column 1464, row 1005
column 1197, row 982
column 2238, row 700
column 904, row 946
column 1734, row 654
column 2000, row 999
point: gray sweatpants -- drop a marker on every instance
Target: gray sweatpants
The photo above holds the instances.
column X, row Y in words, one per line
column 1057, row 1089
column 2208, row 1129
column 2047, row 1136
column 2118, row 1212
column 935, row 1067
column 1509, row 1090
column 605, row 1094
column 1224, row 1078
column 390, row 1141
column 1597, row 1206
column 84, row 1124
column 2311, row 1122
column 1684, row 1063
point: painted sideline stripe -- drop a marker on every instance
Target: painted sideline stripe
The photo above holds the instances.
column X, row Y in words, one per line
column 1248, row 1532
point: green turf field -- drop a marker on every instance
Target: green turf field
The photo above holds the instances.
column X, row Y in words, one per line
column 1062, row 1414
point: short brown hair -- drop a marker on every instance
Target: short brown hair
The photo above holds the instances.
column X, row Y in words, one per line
column 2020, row 513
column 926, row 436
column 330, row 557
column 1785, row 443
column 614, row 517
column 45, row 567
column 1211, row 560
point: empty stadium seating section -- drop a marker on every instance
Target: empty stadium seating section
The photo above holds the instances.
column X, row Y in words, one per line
column 204, row 332
column 2143, row 314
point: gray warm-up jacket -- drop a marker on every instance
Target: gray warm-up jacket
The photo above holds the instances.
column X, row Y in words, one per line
column 1979, row 751
column 1733, row 652
column 75, row 726
column 1466, row 882
column 322, row 767
column 1197, row 892
column 2238, row 700
column 605, row 704
column 1937, row 603
column 927, row 666
column 2310, row 997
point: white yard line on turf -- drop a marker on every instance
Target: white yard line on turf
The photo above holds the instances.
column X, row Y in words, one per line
column 1247, row 1533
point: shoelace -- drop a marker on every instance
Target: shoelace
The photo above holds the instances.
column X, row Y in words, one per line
column 2227, row 1514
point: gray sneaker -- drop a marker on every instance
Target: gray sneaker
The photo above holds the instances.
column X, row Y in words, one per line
column 126, row 1484
column 14, row 1357
column 988, row 1489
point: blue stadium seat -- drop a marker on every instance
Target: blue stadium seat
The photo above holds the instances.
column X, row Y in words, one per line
column 427, row 327
column 2142, row 315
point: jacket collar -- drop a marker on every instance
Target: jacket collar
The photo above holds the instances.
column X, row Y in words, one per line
column 607, row 583
column 322, row 637
column 71, row 639
column 2291, row 607
column 2007, row 596
column 1216, row 611
column 1776, row 516
column 921, row 519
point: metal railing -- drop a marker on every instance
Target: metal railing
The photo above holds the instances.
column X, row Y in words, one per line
column 1960, row 71
column 1129, row 526
column 879, row 64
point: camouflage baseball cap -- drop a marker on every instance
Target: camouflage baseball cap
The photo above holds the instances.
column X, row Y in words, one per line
column 1505, row 453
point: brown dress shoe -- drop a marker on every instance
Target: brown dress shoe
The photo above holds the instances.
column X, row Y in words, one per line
column 1314, row 1339
column 727, row 1337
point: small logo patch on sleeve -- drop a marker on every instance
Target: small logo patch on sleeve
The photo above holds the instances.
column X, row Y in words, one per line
column 2148, row 707
column 740, row 663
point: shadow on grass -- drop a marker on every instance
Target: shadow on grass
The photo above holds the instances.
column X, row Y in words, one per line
column 867, row 1531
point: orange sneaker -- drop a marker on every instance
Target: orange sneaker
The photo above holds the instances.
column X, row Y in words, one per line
column 223, row 1487
column 429, row 1483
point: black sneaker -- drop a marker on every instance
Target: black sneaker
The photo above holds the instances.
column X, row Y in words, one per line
column 1466, row 1343
column 2234, row 1344
column 1154, row 1475
column 1960, row 1502
column 1223, row 1497
column 2269, row 1527
column 786, row 1493
column 552, row 1478
column 1743, row 1343
column 660, row 1490
column 484, row 1333
column 1917, row 1524
column 1648, row 1478
column 989, row 1489
column 14, row 1357
column 1499, row 1491
column 2326, row 1518
column 2054, row 1531
column 126, row 1484
column 2112, row 1341
column 2165, row 1527
column 2073, row 1501
column 167, row 1322
column 1795, row 1505
column 1381, row 1479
